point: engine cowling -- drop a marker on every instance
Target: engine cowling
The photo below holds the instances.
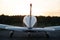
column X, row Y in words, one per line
column 26, row 20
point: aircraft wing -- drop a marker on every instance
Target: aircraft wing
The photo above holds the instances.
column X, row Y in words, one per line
column 54, row 27
column 49, row 28
column 17, row 28
column 13, row 28
column 43, row 29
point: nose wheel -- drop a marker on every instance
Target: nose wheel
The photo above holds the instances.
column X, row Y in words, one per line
column 29, row 34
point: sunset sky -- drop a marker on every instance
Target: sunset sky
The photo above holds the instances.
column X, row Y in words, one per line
column 22, row 7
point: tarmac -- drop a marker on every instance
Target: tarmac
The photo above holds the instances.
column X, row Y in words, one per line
column 4, row 35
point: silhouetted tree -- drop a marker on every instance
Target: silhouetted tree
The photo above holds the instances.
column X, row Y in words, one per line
column 41, row 20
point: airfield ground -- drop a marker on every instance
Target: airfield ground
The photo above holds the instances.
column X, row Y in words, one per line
column 4, row 35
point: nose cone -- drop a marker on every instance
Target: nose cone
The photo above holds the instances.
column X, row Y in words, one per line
column 26, row 20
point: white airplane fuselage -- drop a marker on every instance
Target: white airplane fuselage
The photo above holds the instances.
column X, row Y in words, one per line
column 30, row 20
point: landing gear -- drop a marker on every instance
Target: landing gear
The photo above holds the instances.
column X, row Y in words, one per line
column 11, row 34
column 46, row 33
column 29, row 35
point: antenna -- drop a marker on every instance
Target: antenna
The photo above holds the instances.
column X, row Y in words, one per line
column 30, row 9
column 30, row 14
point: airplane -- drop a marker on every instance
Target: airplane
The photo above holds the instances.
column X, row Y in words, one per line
column 29, row 21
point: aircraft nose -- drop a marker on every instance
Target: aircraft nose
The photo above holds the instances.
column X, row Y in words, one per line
column 27, row 21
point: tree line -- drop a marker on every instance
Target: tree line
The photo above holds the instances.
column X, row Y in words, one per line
column 41, row 20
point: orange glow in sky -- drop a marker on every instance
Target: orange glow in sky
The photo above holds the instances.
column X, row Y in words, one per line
column 22, row 7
